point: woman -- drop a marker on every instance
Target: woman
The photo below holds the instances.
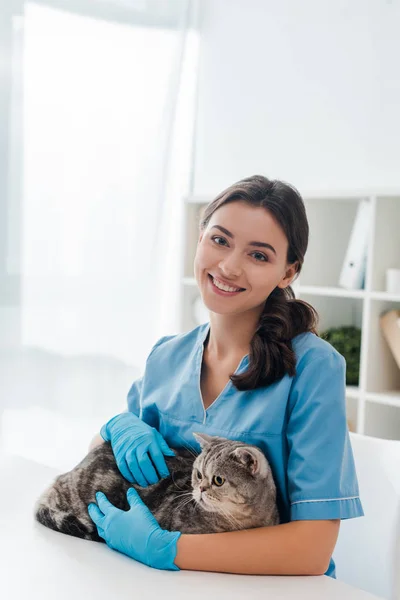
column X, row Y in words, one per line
column 257, row 372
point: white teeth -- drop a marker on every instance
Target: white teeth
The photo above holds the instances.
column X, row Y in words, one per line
column 224, row 287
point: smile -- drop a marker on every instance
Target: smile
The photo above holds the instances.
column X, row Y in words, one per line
column 222, row 288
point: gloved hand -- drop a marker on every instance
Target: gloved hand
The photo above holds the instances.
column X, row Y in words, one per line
column 135, row 532
column 133, row 443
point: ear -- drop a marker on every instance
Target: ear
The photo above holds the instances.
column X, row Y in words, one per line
column 204, row 439
column 252, row 458
column 289, row 275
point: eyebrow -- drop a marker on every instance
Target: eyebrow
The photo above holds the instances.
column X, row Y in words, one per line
column 257, row 244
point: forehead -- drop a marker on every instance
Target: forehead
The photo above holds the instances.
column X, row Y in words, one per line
column 249, row 223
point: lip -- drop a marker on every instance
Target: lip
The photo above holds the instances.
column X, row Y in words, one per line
column 229, row 283
column 219, row 292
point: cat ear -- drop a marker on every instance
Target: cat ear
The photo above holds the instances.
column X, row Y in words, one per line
column 204, row 439
column 252, row 458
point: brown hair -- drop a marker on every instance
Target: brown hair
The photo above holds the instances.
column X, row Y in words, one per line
column 283, row 317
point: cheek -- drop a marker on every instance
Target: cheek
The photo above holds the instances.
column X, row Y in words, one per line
column 202, row 258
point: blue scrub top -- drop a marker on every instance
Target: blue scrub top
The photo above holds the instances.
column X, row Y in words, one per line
column 298, row 422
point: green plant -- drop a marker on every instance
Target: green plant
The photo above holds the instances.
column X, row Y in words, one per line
column 347, row 341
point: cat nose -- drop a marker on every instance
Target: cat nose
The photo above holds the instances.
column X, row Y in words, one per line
column 202, row 488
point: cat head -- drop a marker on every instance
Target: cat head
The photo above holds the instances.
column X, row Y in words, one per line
column 229, row 474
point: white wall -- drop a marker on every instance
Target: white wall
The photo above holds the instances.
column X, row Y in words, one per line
column 306, row 91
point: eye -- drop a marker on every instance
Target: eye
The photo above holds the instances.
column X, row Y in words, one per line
column 263, row 257
column 218, row 481
column 198, row 474
column 218, row 237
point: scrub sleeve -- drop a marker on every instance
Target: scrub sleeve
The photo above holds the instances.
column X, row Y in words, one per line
column 320, row 470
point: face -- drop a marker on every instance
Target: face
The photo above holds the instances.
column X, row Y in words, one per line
column 212, row 490
column 244, row 247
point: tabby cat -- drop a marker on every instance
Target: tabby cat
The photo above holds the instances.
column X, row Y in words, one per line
column 237, row 490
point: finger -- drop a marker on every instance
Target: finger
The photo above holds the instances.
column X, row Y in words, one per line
column 133, row 497
column 134, row 468
column 158, row 459
column 135, row 500
column 103, row 502
column 124, row 469
column 95, row 514
column 145, row 464
column 164, row 446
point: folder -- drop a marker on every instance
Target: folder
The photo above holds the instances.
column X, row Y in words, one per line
column 352, row 275
column 390, row 326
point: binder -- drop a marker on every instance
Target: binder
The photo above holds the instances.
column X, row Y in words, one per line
column 352, row 275
column 390, row 326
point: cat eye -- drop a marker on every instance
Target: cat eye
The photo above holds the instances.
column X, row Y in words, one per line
column 218, row 481
column 199, row 474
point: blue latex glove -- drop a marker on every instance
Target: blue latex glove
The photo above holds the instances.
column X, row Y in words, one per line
column 134, row 443
column 135, row 532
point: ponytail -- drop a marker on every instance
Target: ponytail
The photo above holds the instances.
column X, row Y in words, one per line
column 271, row 352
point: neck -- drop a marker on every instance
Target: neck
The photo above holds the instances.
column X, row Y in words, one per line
column 230, row 336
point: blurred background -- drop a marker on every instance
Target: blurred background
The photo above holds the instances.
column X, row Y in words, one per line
column 119, row 121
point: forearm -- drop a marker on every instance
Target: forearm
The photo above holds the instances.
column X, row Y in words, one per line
column 293, row 548
column 96, row 441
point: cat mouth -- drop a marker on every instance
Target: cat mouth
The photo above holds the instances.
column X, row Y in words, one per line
column 206, row 501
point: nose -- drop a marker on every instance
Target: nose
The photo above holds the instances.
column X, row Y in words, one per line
column 202, row 488
column 230, row 266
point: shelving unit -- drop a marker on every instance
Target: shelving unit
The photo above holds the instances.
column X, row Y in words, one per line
column 374, row 406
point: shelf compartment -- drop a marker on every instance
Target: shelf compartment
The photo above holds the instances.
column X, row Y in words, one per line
column 334, row 311
column 383, row 372
column 386, row 241
column 330, row 229
column 382, row 421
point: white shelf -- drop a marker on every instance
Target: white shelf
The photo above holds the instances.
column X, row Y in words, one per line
column 374, row 405
column 390, row 398
column 329, row 291
column 385, row 296
column 353, row 391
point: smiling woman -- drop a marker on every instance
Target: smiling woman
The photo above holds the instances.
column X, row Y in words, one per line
column 272, row 213
column 257, row 373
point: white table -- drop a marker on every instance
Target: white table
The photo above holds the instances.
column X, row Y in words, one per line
column 38, row 563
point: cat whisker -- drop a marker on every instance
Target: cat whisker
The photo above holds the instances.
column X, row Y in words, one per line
column 188, row 447
column 183, row 494
column 176, row 485
column 230, row 518
column 187, row 488
column 184, row 503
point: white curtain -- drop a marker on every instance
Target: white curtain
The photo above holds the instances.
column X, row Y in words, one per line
column 107, row 111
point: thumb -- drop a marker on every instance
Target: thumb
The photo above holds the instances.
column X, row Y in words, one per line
column 133, row 497
column 145, row 514
column 164, row 446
